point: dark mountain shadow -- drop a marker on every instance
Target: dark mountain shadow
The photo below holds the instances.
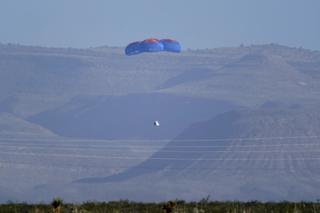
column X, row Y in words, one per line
column 129, row 116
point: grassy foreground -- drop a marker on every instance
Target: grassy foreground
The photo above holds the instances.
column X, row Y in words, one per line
column 124, row 206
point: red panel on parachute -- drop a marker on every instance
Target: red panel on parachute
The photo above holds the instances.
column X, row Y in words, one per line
column 151, row 40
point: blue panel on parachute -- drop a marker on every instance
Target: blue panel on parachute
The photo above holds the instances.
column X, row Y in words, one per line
column 133, row 48
column 170, row 45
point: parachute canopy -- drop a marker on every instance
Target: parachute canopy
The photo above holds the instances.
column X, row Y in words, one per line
column 153, row 45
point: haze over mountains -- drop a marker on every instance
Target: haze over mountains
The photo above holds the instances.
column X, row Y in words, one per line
column 79, row 122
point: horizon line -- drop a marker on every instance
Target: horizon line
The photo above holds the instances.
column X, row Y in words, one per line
column 242, row 45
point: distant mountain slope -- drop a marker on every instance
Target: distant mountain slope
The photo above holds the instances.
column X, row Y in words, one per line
column 54, row 72
column 249, row 154
column 255, row 73
column 253, row 78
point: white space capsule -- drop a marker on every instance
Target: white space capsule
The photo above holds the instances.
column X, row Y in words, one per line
column 156, row 123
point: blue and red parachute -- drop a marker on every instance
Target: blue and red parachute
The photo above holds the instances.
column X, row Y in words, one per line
column 153, row 45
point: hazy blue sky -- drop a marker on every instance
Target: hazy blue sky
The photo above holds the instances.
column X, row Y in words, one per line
column 196, row 23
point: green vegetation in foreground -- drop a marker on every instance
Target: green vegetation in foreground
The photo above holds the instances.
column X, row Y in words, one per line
column 124, row 206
